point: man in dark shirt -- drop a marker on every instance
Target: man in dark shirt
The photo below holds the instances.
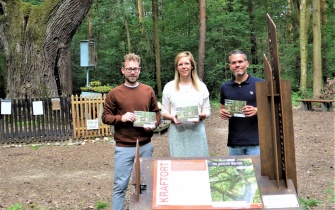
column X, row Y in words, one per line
column 119, row 107
column 242, row 130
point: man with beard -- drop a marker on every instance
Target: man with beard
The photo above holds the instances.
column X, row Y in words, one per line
column 119, row 107
column 243, row 129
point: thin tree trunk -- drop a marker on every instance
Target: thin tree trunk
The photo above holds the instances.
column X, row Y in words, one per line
column 126, row 27
column 202, row 38
column 289, row 16
column 317, row 61
column 157, row 51
column 140, row 14
column 253, row 39
column 303, row 46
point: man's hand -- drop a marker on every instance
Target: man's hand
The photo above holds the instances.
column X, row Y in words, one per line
column 225, row 114
column 249, row 111
column 129, row 116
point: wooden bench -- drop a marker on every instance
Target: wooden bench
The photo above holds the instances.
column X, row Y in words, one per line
column 326, row 105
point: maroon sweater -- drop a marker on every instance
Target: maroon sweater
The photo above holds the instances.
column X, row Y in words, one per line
column 123, row 99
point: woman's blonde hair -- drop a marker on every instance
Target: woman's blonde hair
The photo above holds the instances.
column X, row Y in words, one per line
column 194, row 73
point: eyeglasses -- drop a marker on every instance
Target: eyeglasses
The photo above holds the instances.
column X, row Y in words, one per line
column 135, row 69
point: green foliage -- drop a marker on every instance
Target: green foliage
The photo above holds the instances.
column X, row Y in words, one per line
column 308, row 94
column 95, row 86
column 34, row 2
column 215, row 104
column 230, row 25
column 306, row 203
column 102, row 205
column 36, row 146
column 16, row 207
column 331, row 190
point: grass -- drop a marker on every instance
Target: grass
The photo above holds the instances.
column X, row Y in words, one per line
column 16, row 207
column 306, row 203
column 99, row 205
column 36, row 146
column 102, row 205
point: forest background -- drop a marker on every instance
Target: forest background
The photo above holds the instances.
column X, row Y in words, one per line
column 305, row 30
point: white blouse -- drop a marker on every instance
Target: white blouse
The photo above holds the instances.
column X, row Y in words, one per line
column 186, row 96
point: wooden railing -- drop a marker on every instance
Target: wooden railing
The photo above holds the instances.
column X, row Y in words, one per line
column 86, row 110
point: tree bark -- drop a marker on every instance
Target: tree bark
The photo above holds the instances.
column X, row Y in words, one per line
column 36, row 41
column 126, row 27
column 202, row 39
column 303, row 45
column 317, row 61
column 157, row 46
column 140, row 14
column 253, row 38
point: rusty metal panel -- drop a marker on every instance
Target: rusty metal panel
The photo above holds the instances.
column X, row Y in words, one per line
column 265, row 129
column 288, row 132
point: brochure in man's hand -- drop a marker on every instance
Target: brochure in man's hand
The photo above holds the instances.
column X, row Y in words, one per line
column 188, row 114
column 235, row 107
column 145, row 119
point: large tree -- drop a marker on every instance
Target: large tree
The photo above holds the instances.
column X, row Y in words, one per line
column 36, row 41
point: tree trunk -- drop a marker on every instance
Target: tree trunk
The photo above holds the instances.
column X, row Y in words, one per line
column 36, row 41
column 303, row 45
column 140, row 14
column 202, row 38
column 126, row 27
column 317, row 61
column 253, row 39
column 157, row 51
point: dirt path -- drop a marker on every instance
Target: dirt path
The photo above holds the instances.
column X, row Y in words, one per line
column 78, row 177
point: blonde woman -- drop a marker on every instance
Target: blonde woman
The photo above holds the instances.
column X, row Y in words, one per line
column 186, row 139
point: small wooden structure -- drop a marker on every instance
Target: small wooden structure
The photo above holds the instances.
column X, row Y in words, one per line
column 88, row 108
column 326, row 105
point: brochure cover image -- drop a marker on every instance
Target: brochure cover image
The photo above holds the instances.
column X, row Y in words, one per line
column 233, row 182
column 188, row 113
column 145, row 119
column 235, row 107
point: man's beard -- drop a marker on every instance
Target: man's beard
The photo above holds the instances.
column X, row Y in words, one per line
column 239, row 74
column 130, row 81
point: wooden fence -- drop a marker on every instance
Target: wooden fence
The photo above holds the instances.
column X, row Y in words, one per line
column 35, row 120
column 52, row 119
column 86, row 117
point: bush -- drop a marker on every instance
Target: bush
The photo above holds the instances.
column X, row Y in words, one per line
column 95, row 86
